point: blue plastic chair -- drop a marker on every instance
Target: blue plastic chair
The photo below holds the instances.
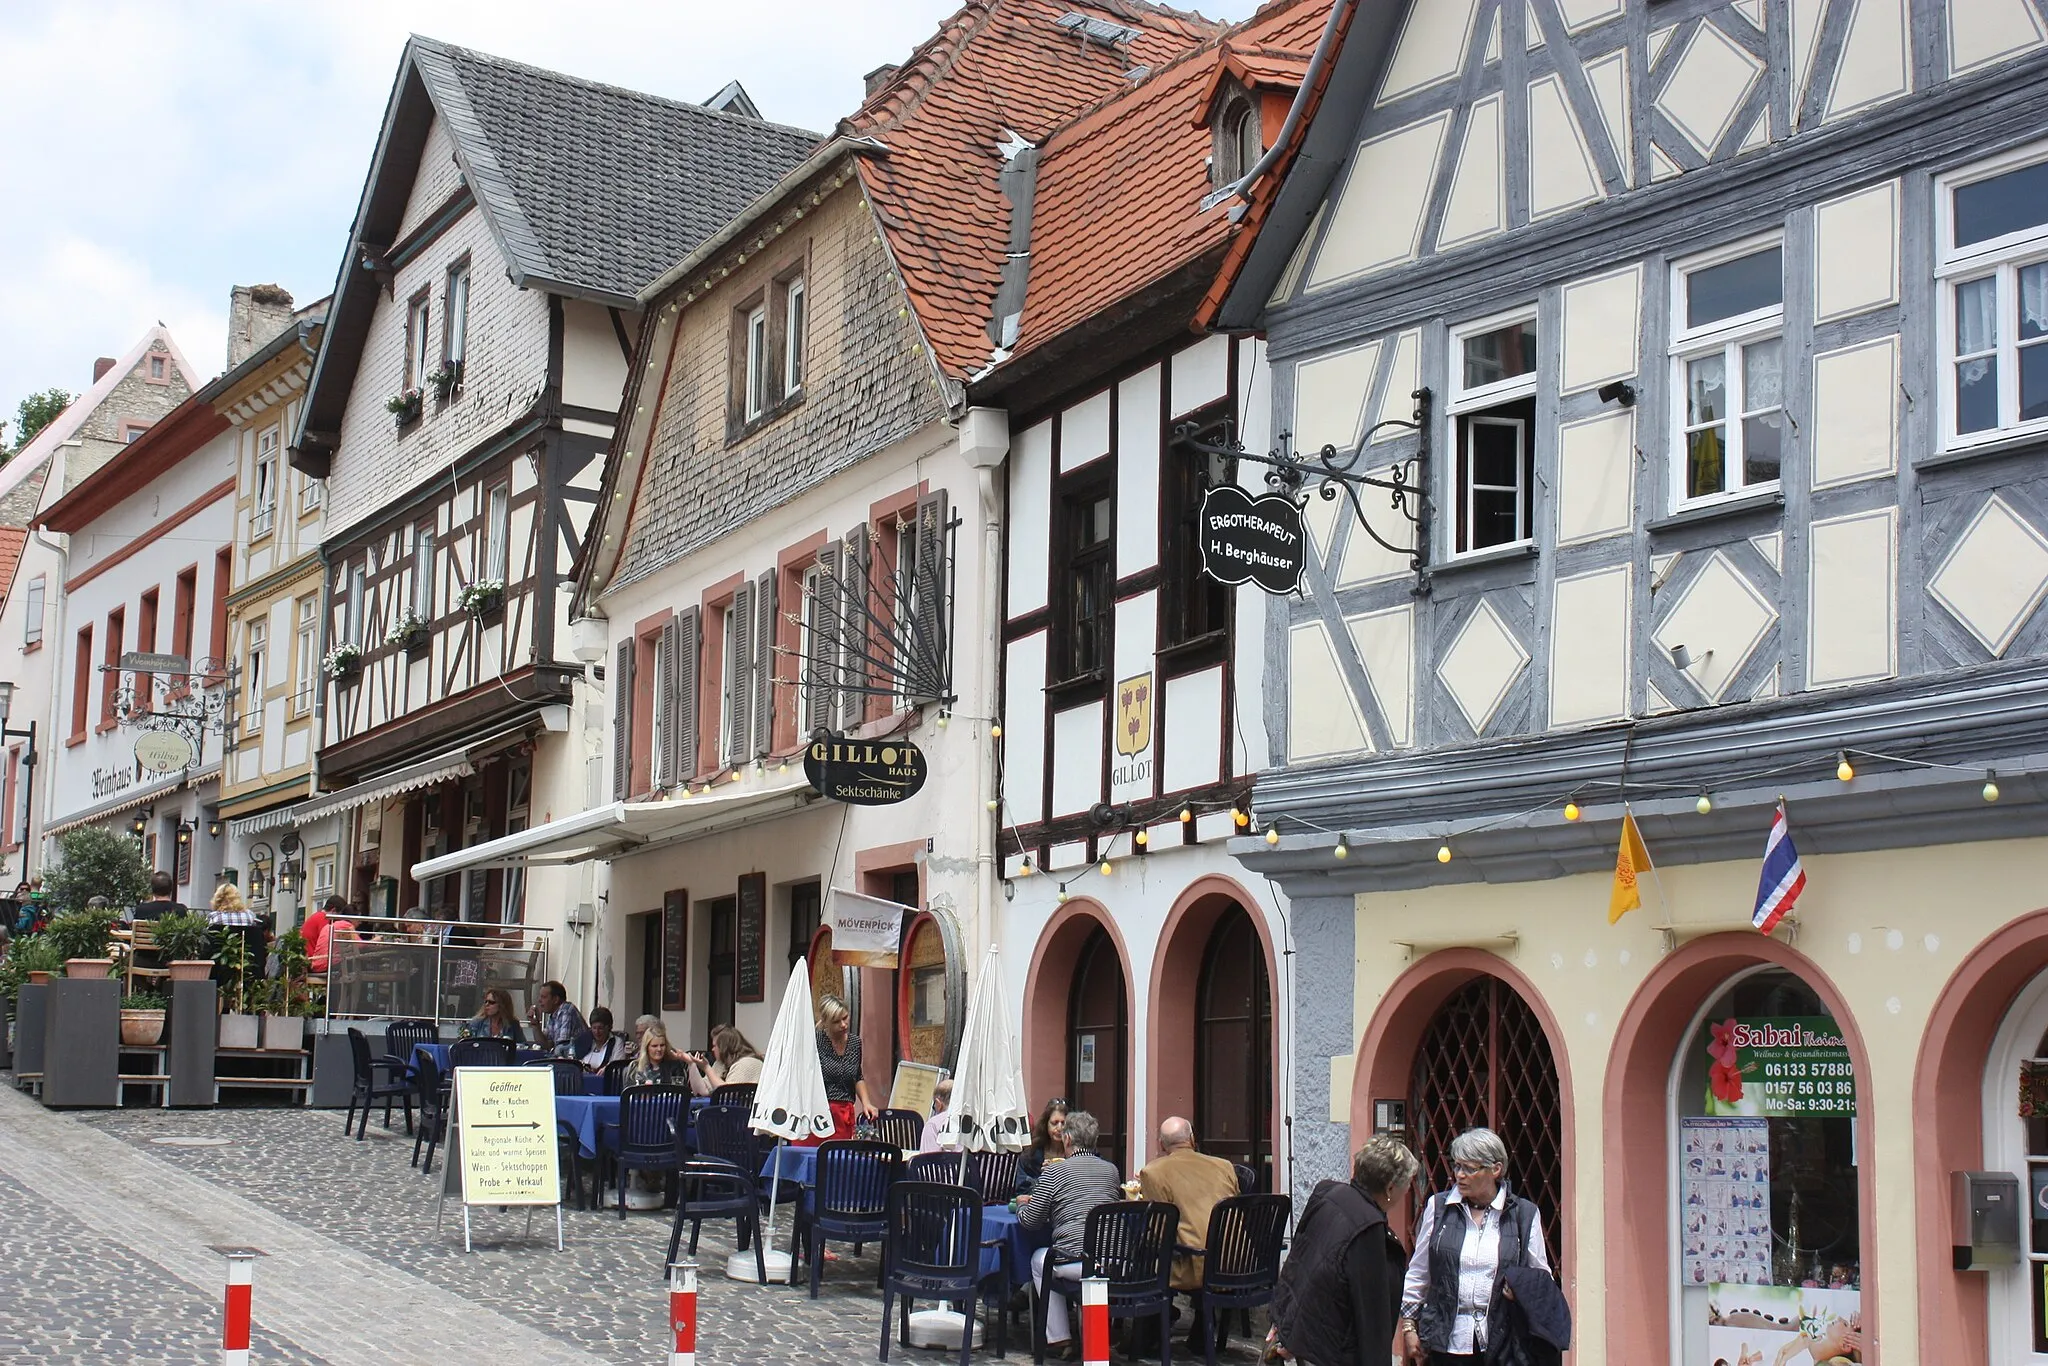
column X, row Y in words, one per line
column 712, row 1188
column 931, row 1249
column 395, row 1084
column 850, row 1200
column 651, row 1119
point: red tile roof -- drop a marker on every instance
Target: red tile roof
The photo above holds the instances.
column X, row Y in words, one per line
column 1120, row 188
column 995, row 67
column 12, row 539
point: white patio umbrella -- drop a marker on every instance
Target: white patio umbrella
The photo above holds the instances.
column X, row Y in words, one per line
column 988, row 1112
column 789, row 1102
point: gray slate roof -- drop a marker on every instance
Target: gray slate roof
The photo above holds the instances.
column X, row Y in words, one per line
column 590, row 187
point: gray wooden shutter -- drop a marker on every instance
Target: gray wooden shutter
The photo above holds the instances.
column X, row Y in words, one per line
column 821, row 657
column 857, row 636
column 622, row 723
column 666, row 760
column 739, row 676
column 764, row 665
column 689, row 664
column 930, row 649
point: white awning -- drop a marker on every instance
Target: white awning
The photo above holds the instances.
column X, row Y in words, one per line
column 439, row 769
column 620, row 829
column 277, row 818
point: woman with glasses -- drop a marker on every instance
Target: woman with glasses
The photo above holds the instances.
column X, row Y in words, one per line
column 1467, row 1238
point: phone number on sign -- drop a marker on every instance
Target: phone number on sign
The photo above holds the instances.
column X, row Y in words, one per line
column 1809, row 1069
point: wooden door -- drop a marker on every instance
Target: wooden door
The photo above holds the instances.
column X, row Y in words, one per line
column 1098, row 1028
column 1234, row 1048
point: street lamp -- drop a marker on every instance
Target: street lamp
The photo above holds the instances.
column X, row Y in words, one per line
column 28, row 761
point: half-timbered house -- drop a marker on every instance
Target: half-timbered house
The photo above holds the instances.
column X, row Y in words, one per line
column 468, row 379
column 1724, row 516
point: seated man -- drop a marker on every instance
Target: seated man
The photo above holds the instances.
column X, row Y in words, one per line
column 1059, row 1204
column 163, row 899
column 558, row 1026
column 942, row 1097
column 1195, row 1182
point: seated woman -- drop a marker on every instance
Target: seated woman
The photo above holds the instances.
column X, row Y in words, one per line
column 1045, row 1144
column 496, row 1020
column 658, row 1063
column 733, row 1062
column 605, row 1046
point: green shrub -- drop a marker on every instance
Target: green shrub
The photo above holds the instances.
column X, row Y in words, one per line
column 94, row 862
column 33, row 953
column 81, row 934
column 184, row 936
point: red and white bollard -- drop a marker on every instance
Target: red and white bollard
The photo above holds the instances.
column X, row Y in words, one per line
column 234, row 1332
column 1095, row 1322
column 682, row 1312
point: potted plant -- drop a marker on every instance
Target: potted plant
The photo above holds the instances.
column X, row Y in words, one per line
column 186, row 942
column 271, row 1000
column 142, row 1019
column 33, row 959
column 409, row 632
column 82, row 940
column 238, row 1027
column 446, row 379
column 483, row 597
column 405, row 406
column 341, row 662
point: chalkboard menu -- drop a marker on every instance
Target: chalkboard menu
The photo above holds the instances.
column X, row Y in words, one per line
column 675, row 950
column 752, row 932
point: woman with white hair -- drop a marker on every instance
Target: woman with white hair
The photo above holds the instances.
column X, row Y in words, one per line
column 1451, row 1299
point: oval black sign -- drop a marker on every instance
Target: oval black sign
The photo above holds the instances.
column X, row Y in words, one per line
column 1252, row 540
column 865, row 772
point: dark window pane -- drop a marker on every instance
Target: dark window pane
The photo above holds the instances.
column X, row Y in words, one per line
column 1976, row 395
column 1735, row 287
column 2003, row 204
column 1496, row 452
column 1501, row 354
column 2033, row 383
column 1704, row 462
column 1495, row 519
column 1762, row 438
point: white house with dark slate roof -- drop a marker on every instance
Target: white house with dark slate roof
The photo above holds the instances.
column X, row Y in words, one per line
column 469, row 377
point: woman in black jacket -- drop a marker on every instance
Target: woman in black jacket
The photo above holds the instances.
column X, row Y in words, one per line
column 1046, row 1144
column 1340, row 1287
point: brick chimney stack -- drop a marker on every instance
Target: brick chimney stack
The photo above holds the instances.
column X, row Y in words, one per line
column 879, row 77
column 256, row 313
column 100, row 368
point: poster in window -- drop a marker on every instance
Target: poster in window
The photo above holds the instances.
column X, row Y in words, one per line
column 751, row 934
column 675, row 950
column 1792, row 1065
column 1724, row 1216
column 1784, row 1325
column 1084, row 1062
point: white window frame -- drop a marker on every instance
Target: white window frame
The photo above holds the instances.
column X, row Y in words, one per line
column 312, row 492
column 1729, row 336
column 2002, row 258
column 1464, row 401
column 728, row 684
column 909, row 549
column 756, row 378
column 255, row 653
column 306, row 664
column 419, row 316
column 323, row 878
column 807, row 637
column 497, row 531
column 794, row 302
column 263, row 517
column 423, row 573
column 456, row 308
column 352, row 607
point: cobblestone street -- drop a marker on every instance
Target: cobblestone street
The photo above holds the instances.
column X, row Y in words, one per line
column 108, row 1217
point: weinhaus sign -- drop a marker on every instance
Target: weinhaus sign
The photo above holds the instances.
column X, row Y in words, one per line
column 865, row 772
column 1252, row 540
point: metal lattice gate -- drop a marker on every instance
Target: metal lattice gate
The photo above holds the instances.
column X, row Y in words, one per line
column 1484, row 1062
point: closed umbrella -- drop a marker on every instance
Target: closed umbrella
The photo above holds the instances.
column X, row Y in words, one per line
column 789, row 1101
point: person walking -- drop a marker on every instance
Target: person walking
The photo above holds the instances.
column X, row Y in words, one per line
column 1340, row 1288
column 1452, row 1305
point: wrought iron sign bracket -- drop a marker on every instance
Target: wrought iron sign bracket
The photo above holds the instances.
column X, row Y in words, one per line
column 193, row 702
column 1331, row 473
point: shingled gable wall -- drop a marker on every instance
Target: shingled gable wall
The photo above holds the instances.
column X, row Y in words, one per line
column 868, row 384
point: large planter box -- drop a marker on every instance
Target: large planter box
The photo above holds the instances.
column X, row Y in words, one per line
column 334, row 1070
column 6, row 1035
column 31, row 1008
column 241, row 1031
column 82, row 1044
column 283, row 1031
column 189, row 1030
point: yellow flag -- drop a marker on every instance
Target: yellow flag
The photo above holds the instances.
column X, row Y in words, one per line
column 1631, row 863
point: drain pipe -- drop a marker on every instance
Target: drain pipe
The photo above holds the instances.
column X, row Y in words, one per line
column 985, row 445
column 1326, row 47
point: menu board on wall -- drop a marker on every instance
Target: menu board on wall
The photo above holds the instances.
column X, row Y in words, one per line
column 1724, row 1200
column 750, row 932
column 675, row 950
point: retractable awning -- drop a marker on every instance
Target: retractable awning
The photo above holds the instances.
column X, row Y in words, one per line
column 621, row 829
column 411, row 778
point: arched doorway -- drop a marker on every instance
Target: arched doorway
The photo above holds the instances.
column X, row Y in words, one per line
column 1484, row 1061
column 1098, row 1026
column 2015, row 1069
column 1234, row 1046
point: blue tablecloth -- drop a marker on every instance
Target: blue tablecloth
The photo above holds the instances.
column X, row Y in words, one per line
column 1014, row 1243
column 439, row 1053
column 799, row 1166
column 596, row 1119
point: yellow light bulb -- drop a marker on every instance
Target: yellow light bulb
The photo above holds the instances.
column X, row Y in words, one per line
column 1272, row 835
column 1342, row 850
column 1571, row 811
column 993, row 803
column 1024, row 868
column 1443, row 853
column 1242, row 817
column 1704, row 804
column 1845, row 770
column 995, row 732
column 1186, row 815
column 1142, row 839
column 942, row 720
column 1062, row 897
column 1991, row 792
column 1106, row 869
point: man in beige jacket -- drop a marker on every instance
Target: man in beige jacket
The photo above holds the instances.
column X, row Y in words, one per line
column 1194, row 1181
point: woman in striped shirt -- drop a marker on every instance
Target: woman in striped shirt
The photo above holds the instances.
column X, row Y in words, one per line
column 1059, row 1204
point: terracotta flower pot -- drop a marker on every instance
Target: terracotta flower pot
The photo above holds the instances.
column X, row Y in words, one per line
column 142, row 1028
column 191, row 969
column 88, row 967
column 39, row 979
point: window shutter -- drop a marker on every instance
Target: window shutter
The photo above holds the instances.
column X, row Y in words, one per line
column 665, row 759
column 930, row 649
column 739, row 676
column 856, row 636
column 622, row 723
column 764, row 665
column 821, row 659
column 689, row 663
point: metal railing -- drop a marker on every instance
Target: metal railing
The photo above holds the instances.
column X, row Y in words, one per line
column 441, row 977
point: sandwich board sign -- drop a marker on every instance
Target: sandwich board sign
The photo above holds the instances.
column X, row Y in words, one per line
column 505, row 1141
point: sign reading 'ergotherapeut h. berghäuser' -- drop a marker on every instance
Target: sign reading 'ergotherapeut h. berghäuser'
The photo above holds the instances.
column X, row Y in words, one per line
column 1252, row 540
column 865, row 772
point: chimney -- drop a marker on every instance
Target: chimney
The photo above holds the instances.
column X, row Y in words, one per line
column 100, row 368
column 879, row 77
column 256, row 313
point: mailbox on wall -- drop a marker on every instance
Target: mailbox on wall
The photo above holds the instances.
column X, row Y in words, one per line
column 1986, row 1220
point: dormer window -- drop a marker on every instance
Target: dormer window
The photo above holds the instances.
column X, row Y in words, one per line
column 1237, row 141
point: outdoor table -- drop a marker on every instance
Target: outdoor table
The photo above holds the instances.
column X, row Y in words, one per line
column 1014, row 1243
column 439, row 1053
column 799, row 1166
column 596, row 1120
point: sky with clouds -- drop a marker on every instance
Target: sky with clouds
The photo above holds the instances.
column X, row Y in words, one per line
column 158, row 153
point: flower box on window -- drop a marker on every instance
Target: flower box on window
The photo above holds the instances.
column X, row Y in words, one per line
column 409, row 633
column 484, row 597
column 405, row 406
column 446, row 380
column 341, row 662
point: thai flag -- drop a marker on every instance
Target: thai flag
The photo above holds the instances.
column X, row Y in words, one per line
column 1783, row 877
